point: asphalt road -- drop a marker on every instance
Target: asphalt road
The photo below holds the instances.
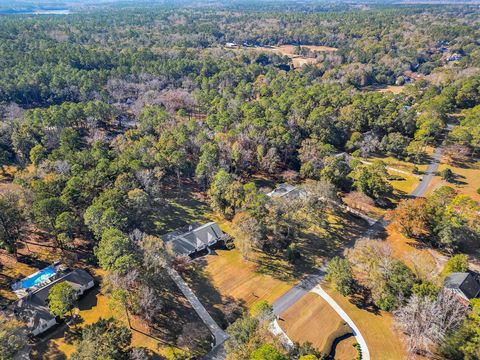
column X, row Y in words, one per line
column 298, row 291
column 429, row 174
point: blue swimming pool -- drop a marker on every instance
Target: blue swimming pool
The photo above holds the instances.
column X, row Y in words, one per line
column 35, row 279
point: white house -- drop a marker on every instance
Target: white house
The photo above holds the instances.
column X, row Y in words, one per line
column 33, row 309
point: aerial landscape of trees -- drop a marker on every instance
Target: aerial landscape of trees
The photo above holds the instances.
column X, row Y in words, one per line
column 106, row 112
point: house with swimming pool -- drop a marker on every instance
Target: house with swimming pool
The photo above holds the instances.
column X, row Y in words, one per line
column 32, row 308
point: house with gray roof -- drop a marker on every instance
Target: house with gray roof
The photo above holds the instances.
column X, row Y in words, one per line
column 463, row 284
column 195, row 238
column 33, row 309
column 288, row 191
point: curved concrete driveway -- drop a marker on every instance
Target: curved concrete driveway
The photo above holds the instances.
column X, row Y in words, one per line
column 356, row 332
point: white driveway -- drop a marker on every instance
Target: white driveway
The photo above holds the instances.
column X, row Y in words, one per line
column 356, row 332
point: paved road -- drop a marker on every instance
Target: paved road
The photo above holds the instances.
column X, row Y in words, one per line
column 430, row 173
column 218, row 333
column 298, row 291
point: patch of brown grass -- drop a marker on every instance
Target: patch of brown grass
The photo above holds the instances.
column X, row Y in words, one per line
column 313, row 320
column 345, row 349
column 384, row 343
column 232, row 276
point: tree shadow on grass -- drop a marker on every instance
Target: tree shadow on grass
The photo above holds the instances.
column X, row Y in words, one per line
column 176, row 315
column 48, row 351
column 362, row 299
column 182, row 207
column 314, row 246
column 223, row 309
column 89, row 300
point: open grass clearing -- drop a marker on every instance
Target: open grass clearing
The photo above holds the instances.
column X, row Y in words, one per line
column 412, row 251
column 404, row 186
column 313, row 320
column 183, row 206
column 384, row 343
column 394, row 89
column 467, row 179
column 345, row 349
column 403, row 165
column 289, row 50
column 225, row 278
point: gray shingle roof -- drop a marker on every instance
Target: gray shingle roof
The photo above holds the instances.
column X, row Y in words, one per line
column 287, row 190
column 464, row 282
column 196, row 239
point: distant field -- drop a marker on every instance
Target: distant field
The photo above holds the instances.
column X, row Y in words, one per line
column 312, row 319
column 289, row 50
column 394, row 89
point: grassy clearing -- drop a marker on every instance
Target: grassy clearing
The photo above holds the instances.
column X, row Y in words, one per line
column 394, row 89
column 376, row 327
column 345, row 349
column 312, row 319
column 184, row 206
column 401, row 164
column 409, row 249
column 225, row 278
column 289, row 50
column 467, row 179
column 405, row 186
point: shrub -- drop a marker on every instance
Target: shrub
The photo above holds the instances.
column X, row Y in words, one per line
column 447, row 175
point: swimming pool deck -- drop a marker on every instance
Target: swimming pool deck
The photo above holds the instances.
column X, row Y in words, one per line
column 37, row 280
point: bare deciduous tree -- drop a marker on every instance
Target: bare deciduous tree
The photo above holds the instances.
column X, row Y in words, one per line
column 368, row 255
column 425, row 322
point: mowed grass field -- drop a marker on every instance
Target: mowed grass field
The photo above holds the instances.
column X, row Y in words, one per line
column 467, row 179
column 231, row 276
column 225, row 276
column 384, row 343
column 406, row 185
column 313, row 320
